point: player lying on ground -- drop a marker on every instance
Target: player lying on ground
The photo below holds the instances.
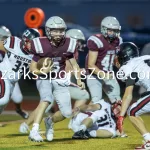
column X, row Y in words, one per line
column 131, row 68
column 94, row 120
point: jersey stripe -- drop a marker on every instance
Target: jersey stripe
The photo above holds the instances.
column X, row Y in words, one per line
column 38, row 46
column 12, row 42
column 72, row 45
column 139, row 106
column 2, row 84
column 97, row 41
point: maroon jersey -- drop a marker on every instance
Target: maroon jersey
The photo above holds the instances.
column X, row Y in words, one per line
column 106, row 51
column 42, row 47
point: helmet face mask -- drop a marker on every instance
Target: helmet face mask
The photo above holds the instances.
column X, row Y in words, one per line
column 56, row 35
column 79, row 36
column 128, row 51
column 110, row 28
column 27, row 36
column 55, row 29
column 81, row 45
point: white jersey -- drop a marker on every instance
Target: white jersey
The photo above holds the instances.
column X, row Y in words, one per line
column 103, row 118
column 140, row 66
column 15, row 60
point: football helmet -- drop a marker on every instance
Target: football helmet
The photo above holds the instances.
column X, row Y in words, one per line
column 110, row 27
column 27, row 36
column 4, row 33
column 128, row 50
column 55, row 29
column 79, row 36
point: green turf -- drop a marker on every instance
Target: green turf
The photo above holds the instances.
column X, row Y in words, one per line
column 10, row 138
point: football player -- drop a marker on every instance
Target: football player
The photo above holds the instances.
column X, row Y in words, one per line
column 134, row 70
column 94, row 120
column 99, row 62
column 59, row 48
column 15, row 61
column 16, row 94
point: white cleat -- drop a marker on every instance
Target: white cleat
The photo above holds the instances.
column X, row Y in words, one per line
column 35, row 136
column 24, row 128
column 49, row 129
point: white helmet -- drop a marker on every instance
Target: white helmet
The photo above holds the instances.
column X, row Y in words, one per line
column 76, row 34
column 55, row 23
column 4, row 33
column 110, row 23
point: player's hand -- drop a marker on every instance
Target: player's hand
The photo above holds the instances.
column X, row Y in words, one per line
column 47, row 67
column 81, row 84
column 120, row 123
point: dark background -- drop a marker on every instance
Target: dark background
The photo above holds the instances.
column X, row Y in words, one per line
column 86, row 15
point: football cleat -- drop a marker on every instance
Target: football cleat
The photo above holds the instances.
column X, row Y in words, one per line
column 24, row 128
column 80, row 135
column 35, row 136
column 146, row 145
column 22, row 113
column 49, row 129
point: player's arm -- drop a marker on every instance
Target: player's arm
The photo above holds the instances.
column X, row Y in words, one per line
column 33, row 68
column 127, row 97
column 44, row 70
column 90, row 107
column 76, row 71
column 92, row 61
column 85, row 108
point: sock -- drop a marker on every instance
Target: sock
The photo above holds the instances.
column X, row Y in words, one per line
column 83, row 127
column 146, row 137
column 35, row 126
column 93, row 133
column 49, row 120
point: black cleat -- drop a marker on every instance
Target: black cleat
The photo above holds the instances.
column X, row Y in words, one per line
column 80, row 135
column 22, row 113
column 87, row 134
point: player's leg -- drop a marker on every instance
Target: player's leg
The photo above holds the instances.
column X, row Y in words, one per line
column 17, row 99
column 79, row 96
column 87, row 123
column 112, row 90
column 95, row 88
column 101, row 133
column 136, row 109
column 45, row 90
column 6, row 88
column 62, row 97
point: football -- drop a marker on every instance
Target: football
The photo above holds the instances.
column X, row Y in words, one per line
column 44, row 62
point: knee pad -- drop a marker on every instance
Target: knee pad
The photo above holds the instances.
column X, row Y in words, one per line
column 17, row 99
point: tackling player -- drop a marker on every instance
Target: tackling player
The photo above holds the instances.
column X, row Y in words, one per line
column 132, row 69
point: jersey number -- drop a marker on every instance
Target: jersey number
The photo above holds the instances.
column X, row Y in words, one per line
column 107, row 62
column 103, row 121
column 18, row 66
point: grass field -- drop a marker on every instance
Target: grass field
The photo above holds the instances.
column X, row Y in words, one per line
column 10, row 138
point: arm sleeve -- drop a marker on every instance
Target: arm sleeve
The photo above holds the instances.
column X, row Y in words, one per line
column 132, row 79
column 92, row 45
